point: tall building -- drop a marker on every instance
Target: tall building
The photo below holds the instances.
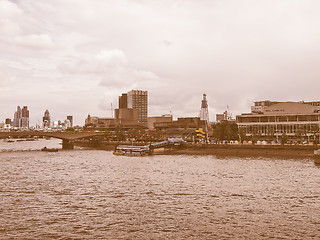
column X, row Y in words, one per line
column 123, row 101
column 21, row 117
column 25, row 117
column 138, row 99
column 46, row 119
column 204, row 113
column 17, row 118
column 70, row 118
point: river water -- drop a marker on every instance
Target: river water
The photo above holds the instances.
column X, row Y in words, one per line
column 91, row 194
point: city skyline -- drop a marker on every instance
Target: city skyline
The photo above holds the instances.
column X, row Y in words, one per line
column 76, row 57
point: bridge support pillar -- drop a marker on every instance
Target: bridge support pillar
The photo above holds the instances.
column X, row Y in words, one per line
column 67, row 144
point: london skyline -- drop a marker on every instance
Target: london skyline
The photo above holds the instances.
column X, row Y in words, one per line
column 77, row 57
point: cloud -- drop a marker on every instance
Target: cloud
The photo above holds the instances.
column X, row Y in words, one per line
column 234, row 51
column 42, row 41
column 9, row 14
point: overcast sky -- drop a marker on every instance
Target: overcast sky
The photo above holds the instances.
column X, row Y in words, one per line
column 75, row 57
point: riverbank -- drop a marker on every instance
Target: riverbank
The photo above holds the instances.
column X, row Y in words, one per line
column 222, row 150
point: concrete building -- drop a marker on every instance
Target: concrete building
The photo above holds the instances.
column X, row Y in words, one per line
column 182, row 123
column 158, row 119
column 123, row 101
column 138, row 99
column 274, row 119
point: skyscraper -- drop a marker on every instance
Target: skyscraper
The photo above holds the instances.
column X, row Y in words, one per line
column 25, row 117
column 17, row 118
column 21, row 117
column 138, row 99
column 46, row 119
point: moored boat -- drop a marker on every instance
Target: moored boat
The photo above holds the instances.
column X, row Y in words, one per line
column 131, row 151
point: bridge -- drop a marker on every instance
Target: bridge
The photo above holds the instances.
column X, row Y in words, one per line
column 67, row 137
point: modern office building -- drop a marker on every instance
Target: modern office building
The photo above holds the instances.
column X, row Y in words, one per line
column 138, row 99
column 25, row 117
column 46, row 121
column 17, row 118
column 21, row 117
column 273, row 119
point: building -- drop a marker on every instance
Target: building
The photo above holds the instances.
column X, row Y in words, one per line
column 46, row 121
column 225, row 116
column 158, row 119
column 273, row 119
column 138, row 99
column 187, row 123
column 123, row 101
column 8, row 121
column 17, row 118
column 70, row 118
column 21, row 117
column 91, row 121
column 25, row 117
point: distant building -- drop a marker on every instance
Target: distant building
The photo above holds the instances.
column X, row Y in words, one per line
column 187, row 123
column 70, row 118
column 25, row 117
column 91, row 121
column 295, row 119
column 8, row 121
column 46, row 121
column 159, row 119
column 17, row 118
column 21, row 117
column 223, row 117
column 138, row 99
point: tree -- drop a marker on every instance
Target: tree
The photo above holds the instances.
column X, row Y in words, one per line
column 225, row 130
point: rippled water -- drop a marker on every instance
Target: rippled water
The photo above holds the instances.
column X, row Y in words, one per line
column 91, row 194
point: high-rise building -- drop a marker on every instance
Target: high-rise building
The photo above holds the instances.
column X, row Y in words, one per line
column 17, row 118
column 70, row 118
column 138, row 99
column 46, row 121
column 25, row 117
column 123, row 101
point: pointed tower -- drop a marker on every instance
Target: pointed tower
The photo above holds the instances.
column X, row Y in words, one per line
column 204, row 113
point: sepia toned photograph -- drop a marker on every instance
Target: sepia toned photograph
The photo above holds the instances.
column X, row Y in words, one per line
column 159, row 119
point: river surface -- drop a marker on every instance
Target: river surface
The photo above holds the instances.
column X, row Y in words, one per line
column 91, row 194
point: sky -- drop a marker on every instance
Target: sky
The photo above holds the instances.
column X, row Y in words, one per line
column 75, row 57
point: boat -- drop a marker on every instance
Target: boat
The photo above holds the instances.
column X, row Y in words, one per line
column 8, row 140
column 316, row 154
column 131, row 151
column 45, row 149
